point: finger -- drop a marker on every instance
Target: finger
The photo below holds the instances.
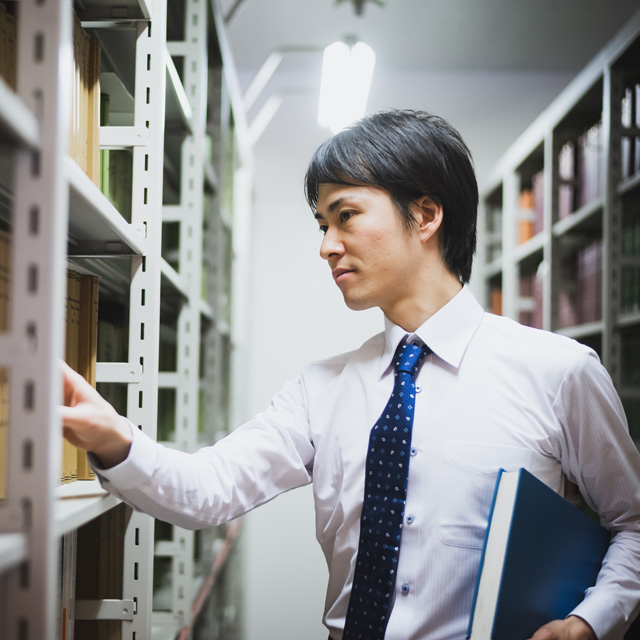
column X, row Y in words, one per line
column 76, row 388
column 546, row 632
column 70, row 376
column 72, row 424
column 65, row 367
column 70, row 380
column 68, row 415
column 73, row 417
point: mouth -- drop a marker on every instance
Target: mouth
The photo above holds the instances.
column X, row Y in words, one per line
column 339, row 275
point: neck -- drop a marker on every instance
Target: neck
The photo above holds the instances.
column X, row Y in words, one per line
column 433, row 293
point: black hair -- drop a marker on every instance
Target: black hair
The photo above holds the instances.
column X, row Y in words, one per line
column 410, row 154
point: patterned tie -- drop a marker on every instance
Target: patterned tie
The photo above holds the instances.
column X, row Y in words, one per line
column 385, row 494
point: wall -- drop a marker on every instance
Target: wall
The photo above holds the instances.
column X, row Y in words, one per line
column 298, row 314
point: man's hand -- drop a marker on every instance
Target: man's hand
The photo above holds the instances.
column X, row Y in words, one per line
column 91, row 423
column 571, row 628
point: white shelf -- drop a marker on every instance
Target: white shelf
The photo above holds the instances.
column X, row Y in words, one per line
column 79, row 502
column 585, row 217
column 210, row 178
column 493, row 268
column 114, row 273
column 178, row 110
column 121, row 102
column 108, row 11
column 95, row 226
column 13, row 549
column 629, row 319
column 224, row 329
column 227, row 218
column 164, row 631
column 172, row 282
column 206, row 310
column 526, row 304
column 582, row 330
column 17, row 123
column 167, row 380
column 629, row 184
column 529, row 248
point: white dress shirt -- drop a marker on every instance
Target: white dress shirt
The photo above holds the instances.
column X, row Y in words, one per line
column 493, row 394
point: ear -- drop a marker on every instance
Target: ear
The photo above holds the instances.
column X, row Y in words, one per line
column 428, row 214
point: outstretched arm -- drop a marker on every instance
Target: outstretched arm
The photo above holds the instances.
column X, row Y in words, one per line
column 91, row 423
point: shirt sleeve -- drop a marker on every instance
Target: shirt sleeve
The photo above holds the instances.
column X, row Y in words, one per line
column 268, row 455
column 600, row 457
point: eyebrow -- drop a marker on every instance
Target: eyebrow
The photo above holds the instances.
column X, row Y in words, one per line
column 331, row 208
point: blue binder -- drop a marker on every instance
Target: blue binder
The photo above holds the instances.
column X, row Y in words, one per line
column 540, row 555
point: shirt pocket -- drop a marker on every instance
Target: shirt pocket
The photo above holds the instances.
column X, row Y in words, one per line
column 469, row 479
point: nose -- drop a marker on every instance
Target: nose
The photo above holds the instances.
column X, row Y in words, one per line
column 331, row 244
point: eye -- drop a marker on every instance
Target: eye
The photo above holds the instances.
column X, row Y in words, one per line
column 345, row 215
column 323, row 229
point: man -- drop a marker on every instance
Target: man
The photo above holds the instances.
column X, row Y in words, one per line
column 396, row 199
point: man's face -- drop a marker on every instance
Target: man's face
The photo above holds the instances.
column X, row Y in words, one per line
column 371, row 253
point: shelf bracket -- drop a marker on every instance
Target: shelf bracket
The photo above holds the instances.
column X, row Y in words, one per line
column 173, row 213
column 121, row 372
column 180, row 48
column 104, row 610
column 123, row 137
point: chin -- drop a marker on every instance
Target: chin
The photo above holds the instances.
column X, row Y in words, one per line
column 358, row 304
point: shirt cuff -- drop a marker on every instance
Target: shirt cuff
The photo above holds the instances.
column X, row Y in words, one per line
column 603, row 614
column 136, row 469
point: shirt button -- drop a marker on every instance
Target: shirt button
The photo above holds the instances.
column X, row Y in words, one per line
column 410, row 518
column 413, row 451
column 418, row 389
column 405, row 588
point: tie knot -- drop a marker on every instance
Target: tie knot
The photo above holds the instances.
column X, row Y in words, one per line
column 409, row 357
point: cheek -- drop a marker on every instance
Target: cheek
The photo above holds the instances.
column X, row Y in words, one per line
column 381, row 244
column 377, row 244
column 389, row 248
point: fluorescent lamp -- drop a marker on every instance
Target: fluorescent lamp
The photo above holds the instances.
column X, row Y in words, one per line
column 344, row 88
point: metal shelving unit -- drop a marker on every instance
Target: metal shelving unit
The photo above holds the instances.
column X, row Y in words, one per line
column 162, row 117
column 197, row 343
column 38, row 224
column 601, row 203
column 174, row 553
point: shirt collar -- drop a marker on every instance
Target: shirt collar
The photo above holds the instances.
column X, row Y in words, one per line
column 447, row 332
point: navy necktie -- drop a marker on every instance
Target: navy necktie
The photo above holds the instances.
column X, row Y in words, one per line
column 385, row 493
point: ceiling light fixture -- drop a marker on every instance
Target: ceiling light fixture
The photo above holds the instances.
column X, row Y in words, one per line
column 344, row 88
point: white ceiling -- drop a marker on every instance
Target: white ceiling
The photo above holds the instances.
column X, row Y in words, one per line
column 432, row 35
column 488, row 66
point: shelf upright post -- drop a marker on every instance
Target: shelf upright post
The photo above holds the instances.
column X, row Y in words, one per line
column 510, row 294
column 479, row 281
column 188, row 353
column 149, row 110
column 217, row 246
column 555, row 266
column 550, row 170
column 192, row 185
column 612, row 221
column 39, row 224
